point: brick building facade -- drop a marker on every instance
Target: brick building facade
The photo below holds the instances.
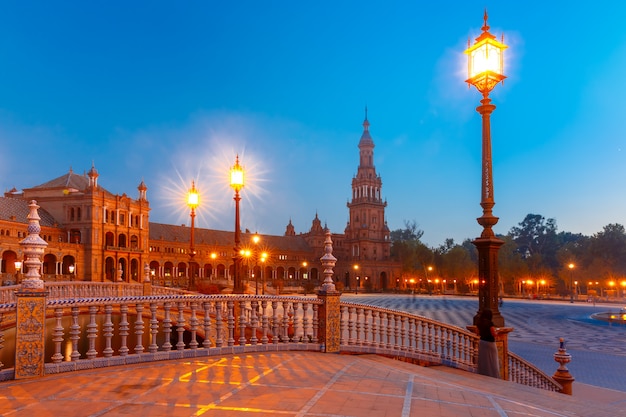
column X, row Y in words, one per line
column 95, row 235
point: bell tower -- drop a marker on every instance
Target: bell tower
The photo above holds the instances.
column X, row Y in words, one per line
column 367, row 234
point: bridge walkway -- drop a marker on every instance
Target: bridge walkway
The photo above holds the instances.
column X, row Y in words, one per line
column 298, row 384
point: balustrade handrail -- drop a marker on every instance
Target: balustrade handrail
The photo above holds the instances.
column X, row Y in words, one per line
column 160, row 327
column 370, row 329
column 380, row 330
column 523, row 372
column 221, row 324
column 85, row 289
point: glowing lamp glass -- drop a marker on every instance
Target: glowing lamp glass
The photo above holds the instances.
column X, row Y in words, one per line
column 485, row 62
column 236, row 176
column 193, row 198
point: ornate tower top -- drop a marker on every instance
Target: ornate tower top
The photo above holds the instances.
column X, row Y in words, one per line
column 142, row 190
column 290, row 230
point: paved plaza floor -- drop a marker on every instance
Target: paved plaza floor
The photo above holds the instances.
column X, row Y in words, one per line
column 331, row 385
column 303, row 384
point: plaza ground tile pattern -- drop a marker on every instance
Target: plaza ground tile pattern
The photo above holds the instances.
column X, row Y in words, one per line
column 294, row 384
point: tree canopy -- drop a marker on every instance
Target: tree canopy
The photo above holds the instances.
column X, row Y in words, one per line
column 533, row 249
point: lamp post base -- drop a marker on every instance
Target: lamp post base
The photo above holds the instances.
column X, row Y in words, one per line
column 488, row 278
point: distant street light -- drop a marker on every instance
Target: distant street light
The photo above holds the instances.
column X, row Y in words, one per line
column 571, row 288
column 18, row 268
column 193, row 201
column 485, row 69
column 237, row 183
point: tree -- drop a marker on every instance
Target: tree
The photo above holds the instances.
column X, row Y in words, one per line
column 409, row 233
column 536, row 241
column 407, row 248
column 608, row 249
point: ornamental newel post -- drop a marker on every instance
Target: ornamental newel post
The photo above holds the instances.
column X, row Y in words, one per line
column 330, row 311
column 562, row 375
column 31, row 304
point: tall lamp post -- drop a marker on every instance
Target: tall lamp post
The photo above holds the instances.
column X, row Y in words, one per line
column 255, row 239
column 236, row 183
column 263, row 259
column 485, row 70
column 193, row 201
column 571, row 288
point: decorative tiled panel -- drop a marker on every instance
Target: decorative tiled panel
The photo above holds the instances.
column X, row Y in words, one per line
column 330, row 320
column 29, row 347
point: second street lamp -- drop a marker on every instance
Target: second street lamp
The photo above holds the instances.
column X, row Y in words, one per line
column 485, row 70
column 571, row 289
column 193, row 201
column 236, row 183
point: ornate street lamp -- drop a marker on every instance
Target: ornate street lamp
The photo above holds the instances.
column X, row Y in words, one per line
column 193, row 201
column 485, row 70
column 236, row 183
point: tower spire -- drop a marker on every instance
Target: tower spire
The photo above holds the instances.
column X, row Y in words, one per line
column 366, row 123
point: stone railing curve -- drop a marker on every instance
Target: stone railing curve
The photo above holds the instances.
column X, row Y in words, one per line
column 398, row 334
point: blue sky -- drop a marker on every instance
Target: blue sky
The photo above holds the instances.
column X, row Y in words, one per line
column 168, row 92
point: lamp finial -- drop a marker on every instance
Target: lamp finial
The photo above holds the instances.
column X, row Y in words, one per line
column 485, row 27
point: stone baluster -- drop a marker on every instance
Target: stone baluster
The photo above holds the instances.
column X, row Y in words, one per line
column 75, row 334
column 296, row 323
column 107, row 331
column 275, row 323
column 167, row 327
column 382, row 330
column 389, row 331
column 344, row 324
column 351, row 311
column 180, row 326
column 366, row 341
column 219, row 324
column 242, row 323
column 359, row 326
column 206, row 343
column 316, row 323
column 124, row 327
column 285, row 328
column 397, row 327
column 193, row 326
column 153, row 347
column 139, row 326
column 306, row 336
column 57, row 335
column 254, row 321
column 231, row 322
column 375, row 335
column 264, row 322
column 92, row 332
column 412, row 341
